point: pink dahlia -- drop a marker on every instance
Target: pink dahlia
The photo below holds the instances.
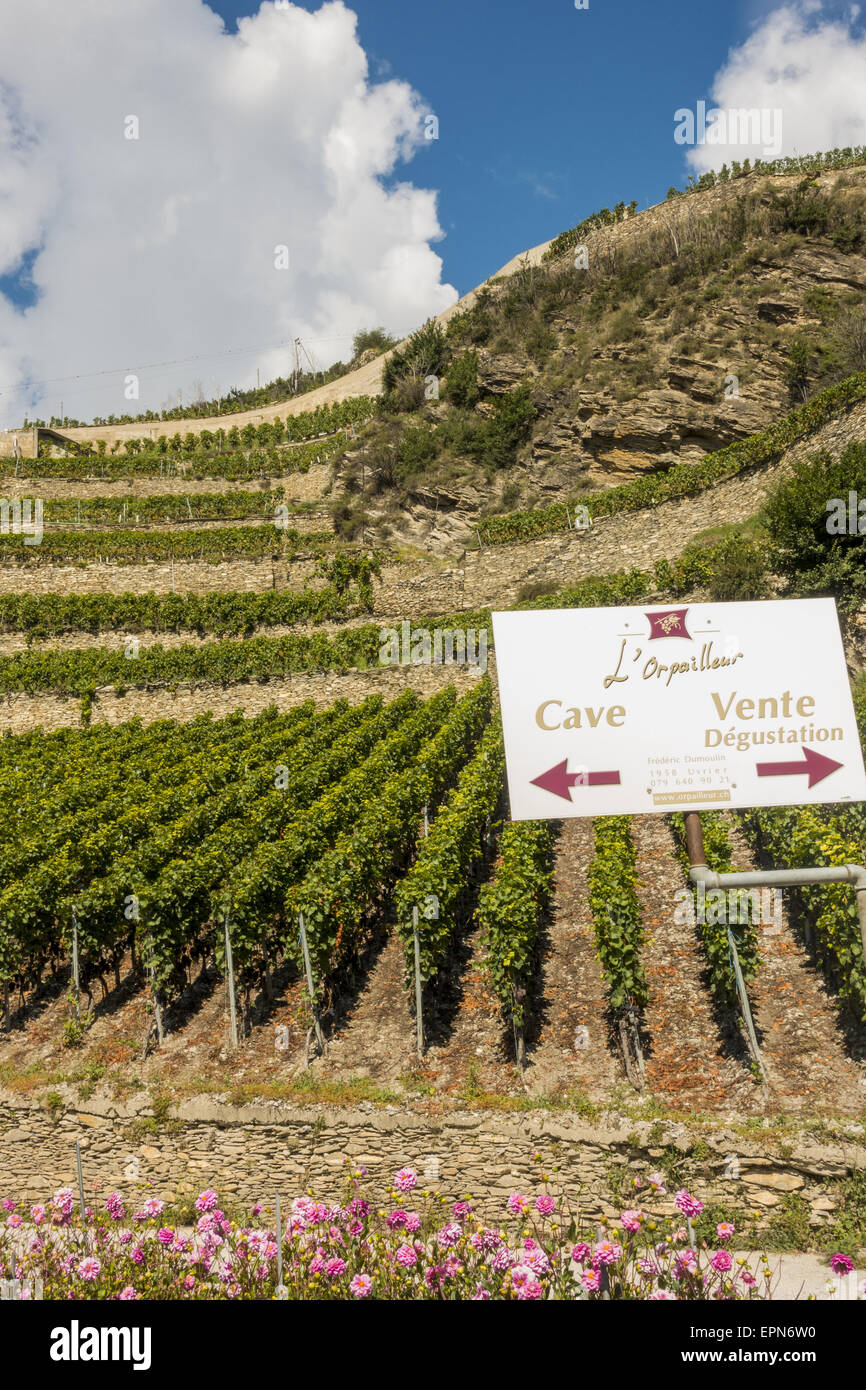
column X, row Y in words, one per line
column 721, row 1261
column 406, row 1179
column 361, row 1285
column 545, row 1204
column 606, row 1252
column 89, row 1269
column 630, row 1220
column 687, row 1204
column 517, row 1204
column 207, row 1200
column 406, row 1256
column 128, row 1295
column 725, row 1230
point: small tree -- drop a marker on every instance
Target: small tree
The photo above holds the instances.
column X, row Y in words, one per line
column 367, row 338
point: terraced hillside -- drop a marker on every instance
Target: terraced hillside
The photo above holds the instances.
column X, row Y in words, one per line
column 203, row 743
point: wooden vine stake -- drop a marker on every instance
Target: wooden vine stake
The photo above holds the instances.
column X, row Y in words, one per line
column 419, row 1015
column 519, row 1039
column 76, row 981
column 281, row 1291
column 230, row 982
column 308, row 969
column 6, row 1018
column 157, row 1011
column 80, row 1181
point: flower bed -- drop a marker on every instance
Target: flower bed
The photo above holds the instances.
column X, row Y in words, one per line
column 412, row 1249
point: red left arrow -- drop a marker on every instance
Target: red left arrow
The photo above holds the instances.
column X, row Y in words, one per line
column 560, row 781
column 817, row 766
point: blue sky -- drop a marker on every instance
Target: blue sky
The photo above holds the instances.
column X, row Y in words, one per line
column 153, row 257
column 546, row 113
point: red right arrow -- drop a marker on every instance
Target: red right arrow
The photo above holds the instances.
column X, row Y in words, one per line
column 817, row 766
column 560, row 781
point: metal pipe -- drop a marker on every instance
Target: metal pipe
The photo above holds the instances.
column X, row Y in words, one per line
column 792, row 878
column 853, row 874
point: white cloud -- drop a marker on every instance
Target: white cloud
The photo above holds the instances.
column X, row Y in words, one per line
column 805, row 63
column 163, row 247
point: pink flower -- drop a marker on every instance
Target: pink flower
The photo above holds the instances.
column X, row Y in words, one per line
column 89, row 1269
column 686, row 1263
column 13, row 1220
column 591, row 1280
column 606, row 1252
column 631, row 1220
column 189, row 1281
column 114, row 1206
column 355, row 1228
column 531, row 1290
column 406, row 1179
column 397, row 1218
column 450, row 1234
column 537, row 1261
column 545, row 1204
column 165, row 1235
column 361, row 1285
column 137, row 1255
column 481, row 1295
column 317, row 1263
column 461, row 1210
column 38, row 1215
column 656, row 1181
column 413, row 1221
column 748, row 1279
column 520, row 1275
column 721, row 1261
column 580, row 1253
column 688, row 1205
column 207, row 1200
column 128, row 1295
column 335, row 1267
column 406, row 1256
column 724, row 1230
column 840, row 1264
column 660, row 1297
column 517, row 1204
column 8, row 1204
column 256, row 1209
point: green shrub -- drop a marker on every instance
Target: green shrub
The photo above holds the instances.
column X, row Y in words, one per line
column 810, row 541
column 616, row 912
column 461, row 385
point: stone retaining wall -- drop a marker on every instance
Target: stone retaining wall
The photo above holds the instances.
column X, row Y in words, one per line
column 253, row 1151
column 19, row 714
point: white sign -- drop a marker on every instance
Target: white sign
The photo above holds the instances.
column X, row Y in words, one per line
column 614, row 711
